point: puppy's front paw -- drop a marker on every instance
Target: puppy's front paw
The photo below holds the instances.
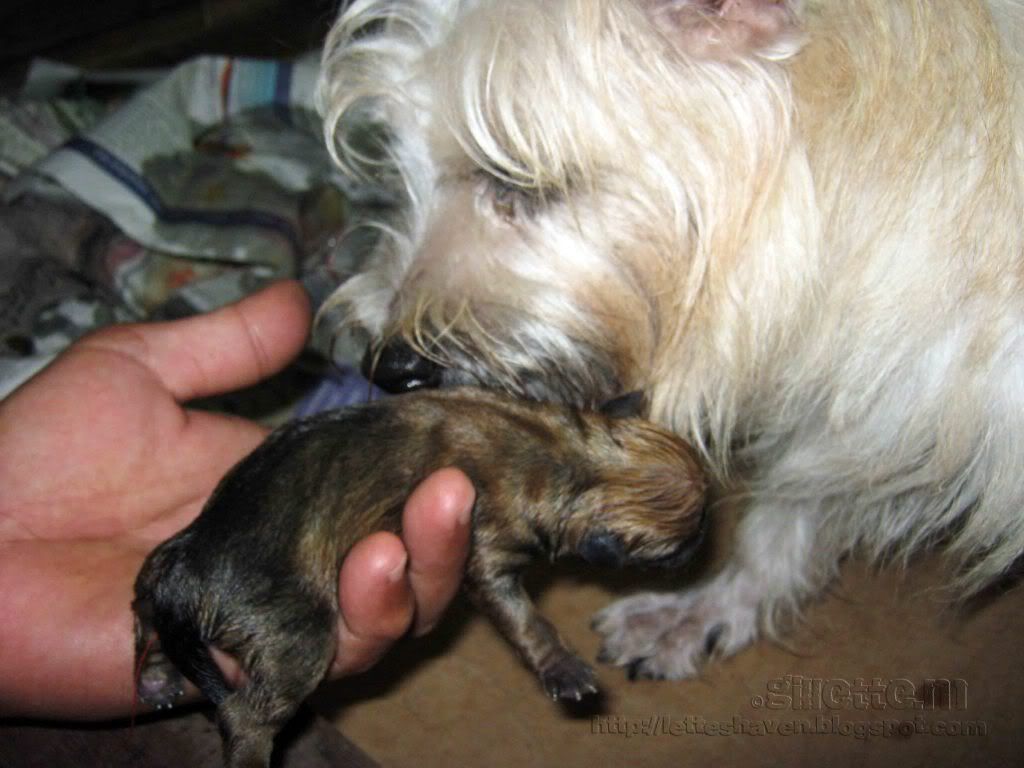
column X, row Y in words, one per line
column 659, row 636
column 568, row 677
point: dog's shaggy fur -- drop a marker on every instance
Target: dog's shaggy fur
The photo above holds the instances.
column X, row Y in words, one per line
column 797, row 226
column 256, row 574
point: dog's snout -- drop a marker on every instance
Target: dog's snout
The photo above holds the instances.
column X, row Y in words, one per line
column 399, row 368
column 687, row 548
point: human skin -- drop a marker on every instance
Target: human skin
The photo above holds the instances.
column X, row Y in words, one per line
column 100, row 461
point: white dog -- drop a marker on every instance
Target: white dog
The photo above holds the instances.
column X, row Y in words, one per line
column 796, row 226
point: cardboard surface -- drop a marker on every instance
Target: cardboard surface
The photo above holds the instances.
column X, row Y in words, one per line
column 461, row 698
column 169, row 740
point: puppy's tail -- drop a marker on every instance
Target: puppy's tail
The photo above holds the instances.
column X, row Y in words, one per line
column 169, row 641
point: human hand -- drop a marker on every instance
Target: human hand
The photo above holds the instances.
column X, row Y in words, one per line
column 100, row 462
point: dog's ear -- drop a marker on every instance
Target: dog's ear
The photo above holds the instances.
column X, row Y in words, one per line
column 730, row 29
column 629, row 405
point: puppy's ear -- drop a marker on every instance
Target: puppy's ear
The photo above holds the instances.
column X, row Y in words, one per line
column 730, row 29
column 629, row 405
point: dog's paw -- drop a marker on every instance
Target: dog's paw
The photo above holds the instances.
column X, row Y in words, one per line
column 568, row 677
column 671, row 636
column 159, row 683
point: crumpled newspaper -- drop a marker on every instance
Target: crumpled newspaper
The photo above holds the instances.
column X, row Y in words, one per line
column 184, row 192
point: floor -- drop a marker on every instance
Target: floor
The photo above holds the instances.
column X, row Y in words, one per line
column 184, row 739
column 460, row 697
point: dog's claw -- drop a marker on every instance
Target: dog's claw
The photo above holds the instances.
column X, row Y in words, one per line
column 712, row 638
column 569, row 678
column 638, row 670
column 633, row 669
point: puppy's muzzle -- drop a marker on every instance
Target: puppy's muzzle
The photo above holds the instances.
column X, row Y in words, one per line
column 685, row 551
column 398, row 368
column 607, row 549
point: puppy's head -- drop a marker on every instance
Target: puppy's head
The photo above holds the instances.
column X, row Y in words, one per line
column 646, row 506
column 567, row 171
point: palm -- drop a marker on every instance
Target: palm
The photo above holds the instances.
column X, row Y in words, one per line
column 99, row 462
column 126, row 461
column 105, row 464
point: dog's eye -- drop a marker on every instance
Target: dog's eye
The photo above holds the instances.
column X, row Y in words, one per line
column 506, row 200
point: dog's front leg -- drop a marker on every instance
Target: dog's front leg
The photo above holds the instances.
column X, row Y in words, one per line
column 500, row 595
column 671, row 635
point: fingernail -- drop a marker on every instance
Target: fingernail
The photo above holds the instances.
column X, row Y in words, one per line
column 426, row 628
column 462, row 519
column 398, row 572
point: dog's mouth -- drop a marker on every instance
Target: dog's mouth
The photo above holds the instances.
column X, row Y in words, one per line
column 397, row 367
column 603, row 548
column 683, row 553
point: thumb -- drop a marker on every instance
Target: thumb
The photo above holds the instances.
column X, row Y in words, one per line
column 232, row 347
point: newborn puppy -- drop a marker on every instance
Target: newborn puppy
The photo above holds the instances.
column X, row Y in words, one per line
column 256, row 574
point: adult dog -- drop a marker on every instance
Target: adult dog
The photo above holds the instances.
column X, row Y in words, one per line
column 796, row 226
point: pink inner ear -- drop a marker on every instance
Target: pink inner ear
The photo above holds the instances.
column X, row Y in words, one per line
column 722, row 29
column 768, row 18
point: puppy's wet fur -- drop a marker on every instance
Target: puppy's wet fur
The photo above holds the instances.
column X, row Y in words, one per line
column 256, row 574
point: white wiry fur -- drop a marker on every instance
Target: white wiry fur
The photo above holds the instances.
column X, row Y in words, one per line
column 797, row 226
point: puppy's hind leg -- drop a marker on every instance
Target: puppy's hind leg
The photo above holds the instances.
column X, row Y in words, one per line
column 671, row 635
column 248, row 739
column 157, row 681
column 285, row 671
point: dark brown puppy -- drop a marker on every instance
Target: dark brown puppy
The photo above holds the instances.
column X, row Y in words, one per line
column 256, row 574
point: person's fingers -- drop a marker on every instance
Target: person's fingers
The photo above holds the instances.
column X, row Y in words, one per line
column 227, row 349
column 376, row 602
column 435, row 529
column 386, row 581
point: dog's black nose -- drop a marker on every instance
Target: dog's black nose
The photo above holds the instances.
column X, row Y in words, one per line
column 399, row 368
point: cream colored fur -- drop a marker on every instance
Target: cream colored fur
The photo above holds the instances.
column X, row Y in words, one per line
column 797, row 226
